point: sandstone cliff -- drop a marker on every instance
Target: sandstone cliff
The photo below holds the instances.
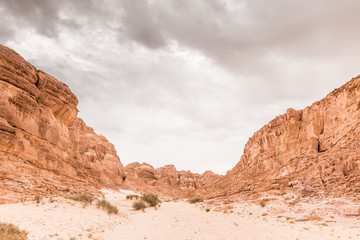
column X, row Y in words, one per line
column 166, row 180
column 44, row 147
column 315, row 151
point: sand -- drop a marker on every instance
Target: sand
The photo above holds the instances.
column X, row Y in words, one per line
column 65, row 219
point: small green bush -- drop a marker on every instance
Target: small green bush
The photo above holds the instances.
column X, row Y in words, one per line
column 138, row 205
column 262, row 203
column 207, row 210
column 9, row 231
column 132, row 196
column 196, row 200
column 84, row 197
column 104, row 204
column 150, row 199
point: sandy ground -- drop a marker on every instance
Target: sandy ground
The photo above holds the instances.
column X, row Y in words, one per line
column 65, row 219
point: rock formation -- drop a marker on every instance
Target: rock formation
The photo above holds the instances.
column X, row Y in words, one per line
column 44, row 146
column 313, row 151
column 166, row 180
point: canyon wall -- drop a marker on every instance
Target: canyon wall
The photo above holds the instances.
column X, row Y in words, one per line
column 166, row 180
column 44, row 146
column 314, row 151
column 46, row 149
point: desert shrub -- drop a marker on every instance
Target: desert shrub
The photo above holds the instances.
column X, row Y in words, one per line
column 262, row 203
column 104, row 204
column 207, row 210
column 314, row 217
column 195, row 200
column 138, row 205
column 151, row 199
column 37, row 198
column 9, row 231
column 84, row 198
column 132, row 196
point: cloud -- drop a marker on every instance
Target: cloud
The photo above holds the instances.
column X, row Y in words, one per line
column 49, row 18
column 186, row 82
column 42, row 15
column 6, row 32
column 139, row 24
column 256, row 40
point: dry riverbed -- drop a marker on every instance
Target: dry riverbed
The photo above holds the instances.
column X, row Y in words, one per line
column 64, row 219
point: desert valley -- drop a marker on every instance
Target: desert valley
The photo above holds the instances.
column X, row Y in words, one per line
column 298, row 177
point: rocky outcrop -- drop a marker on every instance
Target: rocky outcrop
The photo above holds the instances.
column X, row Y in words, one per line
column 166, row 181
column 44, row 146
column 313, row 151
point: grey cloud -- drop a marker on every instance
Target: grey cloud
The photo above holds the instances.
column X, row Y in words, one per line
column 238, row 35
column 257, row 58
column 245, row 37
column 6, row 32
column 48, row 17
column 139, row 24
column 241, row 39
column 41, row 14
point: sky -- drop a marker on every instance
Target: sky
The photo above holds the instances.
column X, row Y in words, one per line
column 187, row 82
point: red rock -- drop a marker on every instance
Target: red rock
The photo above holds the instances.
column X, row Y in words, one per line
column 166, row 180
column 311, row 151
column 44, row 147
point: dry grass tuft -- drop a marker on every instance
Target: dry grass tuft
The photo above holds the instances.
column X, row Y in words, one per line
column 9, row 231
column 104, row 204
column 84, row 198
column 314, row 217
column 132, row 196
column 139, row 205
column 262, row 203
column 195, row 200
column 37, row 199
column 151, row 199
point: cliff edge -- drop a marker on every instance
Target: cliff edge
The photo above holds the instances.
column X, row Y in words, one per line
column 44, row 147
column 314, row 151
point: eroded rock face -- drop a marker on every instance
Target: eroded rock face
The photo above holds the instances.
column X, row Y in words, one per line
column 44, row 147
column 312, row 151
column 166, row 181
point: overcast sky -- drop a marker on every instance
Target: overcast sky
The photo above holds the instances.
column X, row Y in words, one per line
column 187, row 82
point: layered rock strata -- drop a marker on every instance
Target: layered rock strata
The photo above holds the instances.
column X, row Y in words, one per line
column 44, row 146
column 166, row 181
column 314, row 151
